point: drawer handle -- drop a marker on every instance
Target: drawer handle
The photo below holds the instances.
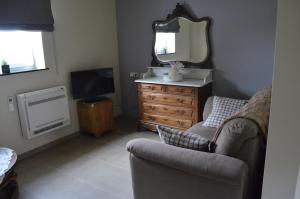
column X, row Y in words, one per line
column 150, row 87
column 150, row 97
column 150, row 108
column 165, row 109
column 181, row 112
column 181, row 123
column 151, row 118
column 180, row 100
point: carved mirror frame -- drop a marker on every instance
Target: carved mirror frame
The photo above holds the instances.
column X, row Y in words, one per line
column 181, row 11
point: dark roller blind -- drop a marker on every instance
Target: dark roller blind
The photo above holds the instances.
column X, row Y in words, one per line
column 26, row 15
column 171, row 27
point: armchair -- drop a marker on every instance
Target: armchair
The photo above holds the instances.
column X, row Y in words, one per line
column 161, row 171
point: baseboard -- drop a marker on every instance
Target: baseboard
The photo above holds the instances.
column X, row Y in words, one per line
column 47, row 146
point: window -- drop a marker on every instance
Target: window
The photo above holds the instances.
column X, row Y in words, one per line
column 165, row 43
column 22, row 50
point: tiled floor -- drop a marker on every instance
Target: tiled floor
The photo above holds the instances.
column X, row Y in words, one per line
column 82, row 168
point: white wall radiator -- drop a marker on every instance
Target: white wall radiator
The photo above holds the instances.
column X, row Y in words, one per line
column 43, row 111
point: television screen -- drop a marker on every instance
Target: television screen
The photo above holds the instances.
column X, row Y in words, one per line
column 92, row 83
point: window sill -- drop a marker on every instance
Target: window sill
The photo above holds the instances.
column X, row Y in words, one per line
column 167, row 54
column 22, row 71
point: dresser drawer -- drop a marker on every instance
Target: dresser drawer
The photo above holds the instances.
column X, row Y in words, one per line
column 168, row 110
column 169, row 121
column 180, row 90
column 167, row 99
column 151, row 87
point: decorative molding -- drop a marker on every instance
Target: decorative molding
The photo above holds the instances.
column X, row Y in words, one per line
column 180, row 11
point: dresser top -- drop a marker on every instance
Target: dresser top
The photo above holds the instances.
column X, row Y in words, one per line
column 185, row 82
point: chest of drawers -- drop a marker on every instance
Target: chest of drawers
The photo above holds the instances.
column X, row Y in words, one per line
column 178, row 107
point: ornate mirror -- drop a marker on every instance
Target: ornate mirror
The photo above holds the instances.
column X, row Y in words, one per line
column 182, row 37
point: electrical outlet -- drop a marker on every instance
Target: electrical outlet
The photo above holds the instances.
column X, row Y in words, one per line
column 134, row 75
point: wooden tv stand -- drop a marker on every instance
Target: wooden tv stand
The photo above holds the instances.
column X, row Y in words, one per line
column 95, row 116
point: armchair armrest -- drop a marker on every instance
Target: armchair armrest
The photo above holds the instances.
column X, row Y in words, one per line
column 208, row 165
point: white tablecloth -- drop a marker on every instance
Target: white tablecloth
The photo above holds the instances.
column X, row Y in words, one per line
column 7, row 160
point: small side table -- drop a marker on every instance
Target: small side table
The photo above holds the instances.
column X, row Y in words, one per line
column 96, row 116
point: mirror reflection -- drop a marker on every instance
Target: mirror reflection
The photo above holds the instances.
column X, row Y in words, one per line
column 181, row 40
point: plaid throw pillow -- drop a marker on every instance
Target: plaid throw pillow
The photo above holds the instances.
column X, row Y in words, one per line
column 222, row 109
column 182, row 139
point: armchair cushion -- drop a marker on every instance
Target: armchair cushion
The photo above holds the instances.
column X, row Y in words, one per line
column 203, row 131
column 222, row 109
column 182, row 139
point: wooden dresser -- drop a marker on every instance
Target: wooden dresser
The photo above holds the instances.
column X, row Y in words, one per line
column 179, row 107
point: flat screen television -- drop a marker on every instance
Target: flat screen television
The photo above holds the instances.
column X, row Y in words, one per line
column 89, row 84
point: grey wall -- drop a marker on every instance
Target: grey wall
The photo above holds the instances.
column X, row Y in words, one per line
column 243, row 36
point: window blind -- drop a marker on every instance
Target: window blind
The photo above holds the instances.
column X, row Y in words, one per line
column 33, row 15
column 170, row 27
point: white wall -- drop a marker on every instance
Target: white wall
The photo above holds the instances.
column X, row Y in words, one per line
column 283, row 149
column 85, row 37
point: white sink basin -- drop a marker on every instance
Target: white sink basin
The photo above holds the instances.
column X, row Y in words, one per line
column 168, row 78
